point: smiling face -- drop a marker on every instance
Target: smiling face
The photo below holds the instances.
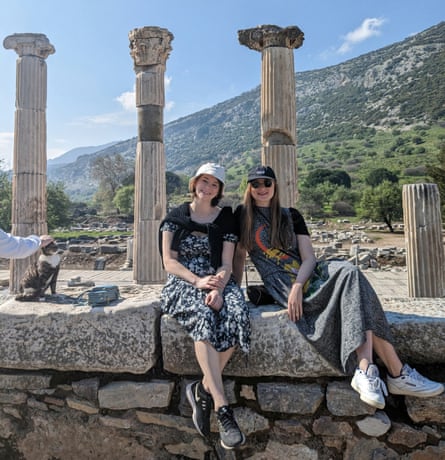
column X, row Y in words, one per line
column 207, row 187
column 262, row 191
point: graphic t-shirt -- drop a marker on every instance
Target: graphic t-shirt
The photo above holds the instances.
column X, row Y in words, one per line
column 278, row 268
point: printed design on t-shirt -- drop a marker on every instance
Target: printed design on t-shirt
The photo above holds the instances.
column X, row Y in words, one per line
column 290, row 264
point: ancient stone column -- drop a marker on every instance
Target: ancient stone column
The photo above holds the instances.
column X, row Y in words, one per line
column 425, row 259
column 29, row 162
column 278, row 103
column 149, row 48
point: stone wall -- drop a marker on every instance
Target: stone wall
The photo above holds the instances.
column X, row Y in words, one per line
column 112, row 386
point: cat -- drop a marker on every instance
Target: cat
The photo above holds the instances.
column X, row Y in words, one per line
column 42, row 274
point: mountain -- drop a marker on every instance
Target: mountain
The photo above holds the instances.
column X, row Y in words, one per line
column 79, row 183
column 396, row 88
column 72, row 155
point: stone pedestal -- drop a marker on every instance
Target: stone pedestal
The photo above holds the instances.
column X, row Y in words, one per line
column 278, row 102
column 29, row 163
column 149, row 48
column 128, row 265
column 425, row 258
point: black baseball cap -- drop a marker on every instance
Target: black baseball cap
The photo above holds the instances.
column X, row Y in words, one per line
column 260, row 172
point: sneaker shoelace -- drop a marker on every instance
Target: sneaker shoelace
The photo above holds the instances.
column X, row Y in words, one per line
column 227, row 421
column 414, row 376
column 376, row 383
column 205, row 404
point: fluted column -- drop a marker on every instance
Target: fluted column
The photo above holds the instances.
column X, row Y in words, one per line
column 425, row 258
column 278, row 102
column 149, row 48
column 29, row 162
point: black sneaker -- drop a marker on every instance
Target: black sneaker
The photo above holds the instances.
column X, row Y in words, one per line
column 201, row 403
column 229, row 432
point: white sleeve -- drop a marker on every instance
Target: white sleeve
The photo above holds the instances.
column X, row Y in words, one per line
column 17, row 247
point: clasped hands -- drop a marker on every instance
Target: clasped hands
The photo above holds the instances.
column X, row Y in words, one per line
column 215, row 285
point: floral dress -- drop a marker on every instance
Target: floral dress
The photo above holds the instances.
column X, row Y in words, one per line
column 223, row 329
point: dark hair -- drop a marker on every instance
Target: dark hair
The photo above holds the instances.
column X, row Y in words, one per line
column 192, row 189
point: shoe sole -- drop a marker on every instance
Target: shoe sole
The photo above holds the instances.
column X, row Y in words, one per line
column 363, row 398
column 191, row 400
column 242, row 442
column 424, row 394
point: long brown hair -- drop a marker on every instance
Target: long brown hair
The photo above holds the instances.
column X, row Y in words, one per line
column 247, row 217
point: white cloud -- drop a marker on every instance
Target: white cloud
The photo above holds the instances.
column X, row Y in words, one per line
column 370, row 27
column 121, row 118
column 128, row 98
column 169, row 106
column 167, row 82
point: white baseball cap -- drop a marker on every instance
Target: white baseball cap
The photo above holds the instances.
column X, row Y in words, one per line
column 211, row 169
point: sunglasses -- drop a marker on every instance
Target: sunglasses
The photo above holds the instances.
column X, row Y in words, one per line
column 257, row 184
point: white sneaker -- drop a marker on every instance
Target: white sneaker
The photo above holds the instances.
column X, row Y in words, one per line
column 411, row 383
column 370, row 387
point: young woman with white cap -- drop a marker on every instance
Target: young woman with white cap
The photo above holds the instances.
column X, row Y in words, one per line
column 198, row 243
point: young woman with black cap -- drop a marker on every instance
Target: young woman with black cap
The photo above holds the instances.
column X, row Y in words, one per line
column 332, row 303
column 198, row 243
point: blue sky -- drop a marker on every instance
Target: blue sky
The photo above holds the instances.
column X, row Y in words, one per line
column 91, row 78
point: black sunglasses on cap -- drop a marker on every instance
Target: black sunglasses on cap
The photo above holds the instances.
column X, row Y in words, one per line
column 257, row 184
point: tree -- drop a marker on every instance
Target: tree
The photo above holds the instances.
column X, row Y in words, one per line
column 5, row 200
column 111, row 172
column 124, row 199
column 437, row 173
column 382, row 203
column 335, row 177
column 173, row 183
column 58, row 205
column 316, row 201
column 377, row 176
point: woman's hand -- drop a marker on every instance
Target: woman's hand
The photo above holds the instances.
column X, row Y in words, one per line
column 295, row 302
column 214, row 300
column 210, row 282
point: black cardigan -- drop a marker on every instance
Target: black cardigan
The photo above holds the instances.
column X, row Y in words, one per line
column 224, row 223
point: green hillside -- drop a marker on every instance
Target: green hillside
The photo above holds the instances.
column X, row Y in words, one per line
column 382, row 109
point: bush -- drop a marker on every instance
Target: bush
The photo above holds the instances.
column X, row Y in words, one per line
column 343, row 209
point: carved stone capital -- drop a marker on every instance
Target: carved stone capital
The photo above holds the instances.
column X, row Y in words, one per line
column 150, row 45
column 265, row 36
column 29, row 45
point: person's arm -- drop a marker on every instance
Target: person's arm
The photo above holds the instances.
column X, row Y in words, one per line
column 225, row 270
column 240, row 255
column 308, row 262
column 215, row 298
column 173, row 266
column 18, row 247
column 239, row 259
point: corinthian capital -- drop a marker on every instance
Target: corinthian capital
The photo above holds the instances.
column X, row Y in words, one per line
column 150, row 45
column 266, row 36
column 29, row 45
